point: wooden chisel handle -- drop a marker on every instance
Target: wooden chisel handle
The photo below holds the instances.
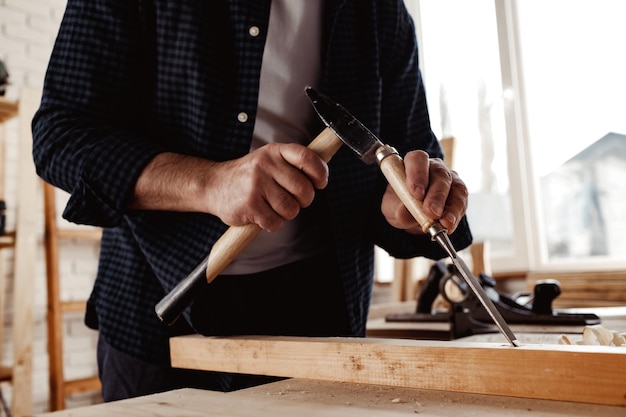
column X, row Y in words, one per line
column 227, row 247
column 392, row 166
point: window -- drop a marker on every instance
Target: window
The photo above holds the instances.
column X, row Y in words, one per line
column 529, row 89
column 576, row 113
column 462, row 78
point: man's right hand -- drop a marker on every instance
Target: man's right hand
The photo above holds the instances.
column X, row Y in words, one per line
column 267, row 186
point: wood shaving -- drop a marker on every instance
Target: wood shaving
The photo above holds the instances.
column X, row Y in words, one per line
column 596, row 335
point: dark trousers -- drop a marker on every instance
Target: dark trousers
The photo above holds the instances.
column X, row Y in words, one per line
column 305, row 298
column 124, row 376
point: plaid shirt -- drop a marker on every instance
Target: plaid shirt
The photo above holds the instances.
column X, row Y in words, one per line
column 130, row 79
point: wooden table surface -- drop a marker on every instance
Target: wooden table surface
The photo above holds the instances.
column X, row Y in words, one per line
column 307, row 398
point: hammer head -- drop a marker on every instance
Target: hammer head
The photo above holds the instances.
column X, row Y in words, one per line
column 347, row 127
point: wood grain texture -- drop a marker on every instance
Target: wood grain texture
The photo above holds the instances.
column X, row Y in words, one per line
column 585, row 288
column 310, row 398
column 26, row 227
column 588, row 374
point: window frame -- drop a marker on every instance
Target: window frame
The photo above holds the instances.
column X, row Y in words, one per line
column 530, row 252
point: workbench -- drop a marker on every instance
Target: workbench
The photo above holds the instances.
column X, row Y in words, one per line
column 322, row 397
column 307, row 398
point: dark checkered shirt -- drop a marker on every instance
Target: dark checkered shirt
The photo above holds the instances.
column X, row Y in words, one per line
column 129, row 79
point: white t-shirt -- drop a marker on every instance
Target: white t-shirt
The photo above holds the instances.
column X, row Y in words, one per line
column 291, row 61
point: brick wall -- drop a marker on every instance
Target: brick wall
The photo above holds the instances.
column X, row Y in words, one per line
column 27, row 32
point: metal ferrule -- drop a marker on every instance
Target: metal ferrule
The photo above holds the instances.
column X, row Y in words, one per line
column 385, row 151
column 440, row 234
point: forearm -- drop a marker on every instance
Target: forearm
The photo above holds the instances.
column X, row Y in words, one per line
column 174, row 182
column 268, row 186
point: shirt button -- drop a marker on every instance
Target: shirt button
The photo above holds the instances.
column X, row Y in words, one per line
column 254, row 31
column 242, row 117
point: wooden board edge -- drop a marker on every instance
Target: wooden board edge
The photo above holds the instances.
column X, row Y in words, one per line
column 587, row 374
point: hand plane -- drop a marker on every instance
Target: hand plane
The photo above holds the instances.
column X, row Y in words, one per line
column 467, row 315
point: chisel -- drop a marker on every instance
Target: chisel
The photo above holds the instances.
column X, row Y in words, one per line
column 370, row 149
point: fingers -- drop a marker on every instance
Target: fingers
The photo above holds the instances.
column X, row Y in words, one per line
column 270, row 185
column 456, row 204
column 303, row 168
column 442, row 192
column 397, row 214
column 439, row 183
column 417, row 164
column 295, row 173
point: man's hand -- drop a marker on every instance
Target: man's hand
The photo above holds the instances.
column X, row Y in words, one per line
column 268, row 186
column 442, row 192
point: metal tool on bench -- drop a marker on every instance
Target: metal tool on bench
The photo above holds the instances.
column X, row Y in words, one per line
column 467, row 316
column 227, row 247
column 370, row 149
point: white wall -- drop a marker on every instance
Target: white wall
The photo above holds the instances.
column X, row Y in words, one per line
column 27, row 32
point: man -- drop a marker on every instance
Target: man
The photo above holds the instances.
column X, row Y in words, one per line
column 167, row 122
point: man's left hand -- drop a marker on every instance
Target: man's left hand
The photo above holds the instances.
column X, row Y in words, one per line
column 441, row 190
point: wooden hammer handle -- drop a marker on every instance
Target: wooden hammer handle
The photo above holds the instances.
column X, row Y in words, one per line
column 227, row 247
column 236, row 238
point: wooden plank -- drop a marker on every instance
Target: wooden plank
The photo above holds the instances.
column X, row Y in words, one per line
column 596, row 295
column 588, row 303
column 585, row 289
column 54, row 317
column 7, row 240
column 599, row 285
column 6, row 373
column 76, row 386
column 60, row 388
column 448, row 145
column 588, row 374
column 73, row 306
column 87, row 233
column 3, row 147
column 480, row 258
column 25, row 254
column 8, row 109
column 589, row 276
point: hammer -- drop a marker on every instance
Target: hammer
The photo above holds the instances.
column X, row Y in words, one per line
column 227, row 247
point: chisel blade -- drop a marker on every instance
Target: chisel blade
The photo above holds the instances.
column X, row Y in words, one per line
column 440, row 236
